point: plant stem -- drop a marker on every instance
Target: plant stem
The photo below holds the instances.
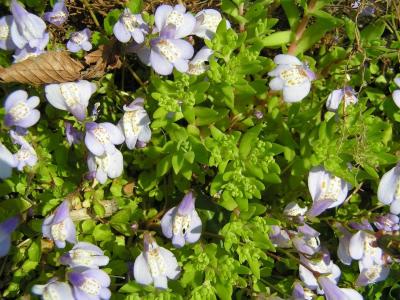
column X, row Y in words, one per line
column 301, row 28
column 87, row 5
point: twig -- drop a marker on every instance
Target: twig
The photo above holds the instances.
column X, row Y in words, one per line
column 86, row 4
column 137, row 78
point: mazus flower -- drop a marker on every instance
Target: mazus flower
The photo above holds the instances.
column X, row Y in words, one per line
column 25, row 156
column 293, row 209
column 343, row 251
column 20, row 110
column 207, row 22
column 301, row 293
column 279, row 237
column 389, row 189
column 388, row 223
column 109, row 164
column 130, row 26
column 292, row 77
column 73, row 135
column 327, row 190
column 198, row 64
column 135, row 124
column 89, row 284
column 167, row 16
column 7, row 162
column 6, row 229
column 101, row 137
column 181, row 223
column 59, row 226
column 346, row 94
column 85, row 255
column 155, row 264
column 58, row 15
column 53, row 290
column 71, row 96
column 333, row 292
column 363, row 247
column 307, row 240
column 25, row 53
column 168, row 52
column 6, row 42
column 80, row 40
column 396, row 93
column 309, row 267
column 27, row 28
column 373, row 274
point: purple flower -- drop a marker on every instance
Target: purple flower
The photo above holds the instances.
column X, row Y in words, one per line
column 388, row 222
column 27, row 28
column 80, row 40
column 294, row 210
column 363, row 247
column 323, row 265
column 347, row 94
column 109, row 164
column 6, row 228
column 343, row 252
column 71, row 96
column 89, row 284
column 372, row 275
column 327, row 190
column 155, row 264
column 395, row 94
column 53, row 290
column 135, row 124
column 279, row 237
column 300, row 293
column 307, row 240
column 20, row 110
column 85, row 255
column 101, row 137
column 167, row 16
column 363, row 225
column 59, row 226
column 389, row 189
column 181, row 223
column 207, row 22
column 7, row 162
column 333, row 292
column 73, row 135
column 6, row 42
column 130, row 26
column 198, row 64
column 26, row 155
column 58, row 15
column 25, row 53
column 292, row 77
column 168, row 52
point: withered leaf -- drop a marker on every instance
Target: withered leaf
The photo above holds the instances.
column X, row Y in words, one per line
column 107, row 57
column 49, row 67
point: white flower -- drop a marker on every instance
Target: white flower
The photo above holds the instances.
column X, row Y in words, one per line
column 292, row 77
column 396, row 93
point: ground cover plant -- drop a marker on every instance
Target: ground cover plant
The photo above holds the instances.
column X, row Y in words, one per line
column 228, row 149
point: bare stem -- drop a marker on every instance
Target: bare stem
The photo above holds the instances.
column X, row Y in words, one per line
column 87, row 5
column 301, row 28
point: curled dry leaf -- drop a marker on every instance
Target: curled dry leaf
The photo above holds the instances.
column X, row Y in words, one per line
column 106, row 58
column 49, row 67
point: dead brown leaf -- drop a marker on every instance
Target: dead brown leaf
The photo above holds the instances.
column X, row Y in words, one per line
column 107, row 57
column 49, row 67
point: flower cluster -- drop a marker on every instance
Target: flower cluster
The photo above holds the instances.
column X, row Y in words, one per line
column 166, row 48
column 86, row 280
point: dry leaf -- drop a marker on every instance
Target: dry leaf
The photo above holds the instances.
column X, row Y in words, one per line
column 49, row 67
column 103, row 59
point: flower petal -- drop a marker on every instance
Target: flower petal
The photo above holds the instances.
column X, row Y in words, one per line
column 334, row 99
column 160, row 64
column 194, row 232
column 396, row 97
column 276, row 84
column 356, row 245
column 14, row 98
column 161, row 15
column 121, row 33
column 296, row 93
column 54, row 96
column 388, row 184
column 286, row 59
column 166, row 222
column 171, row 264
column 141, row 270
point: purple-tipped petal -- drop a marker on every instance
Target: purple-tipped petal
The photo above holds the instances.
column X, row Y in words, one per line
column 334, row 99
column 166, row 222
column 319, row 207
column 187, row 204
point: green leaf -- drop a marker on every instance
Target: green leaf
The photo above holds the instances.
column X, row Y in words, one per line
column 373, row 31
column 248, row 139
column 135, row 6
column 110, row 20
column 291, row 11
column 279, row 38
